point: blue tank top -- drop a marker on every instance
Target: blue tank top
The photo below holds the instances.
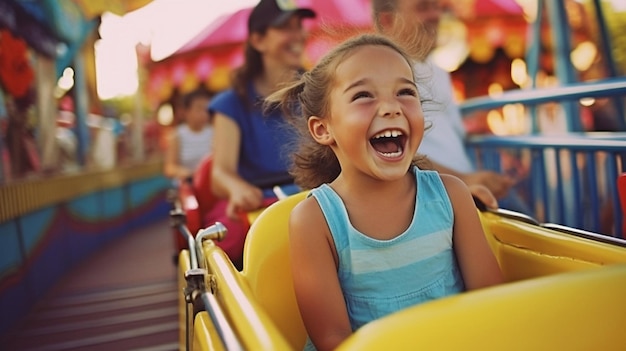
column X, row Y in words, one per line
column 379, row 277
column 264, row 153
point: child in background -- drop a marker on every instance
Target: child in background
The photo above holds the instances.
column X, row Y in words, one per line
column 377, row 233
column 191, row 141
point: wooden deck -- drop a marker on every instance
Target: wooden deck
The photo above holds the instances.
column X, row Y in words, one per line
column 123, row 298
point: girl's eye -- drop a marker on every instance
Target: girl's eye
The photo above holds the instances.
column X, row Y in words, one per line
column 361, row 94
column 408, row 91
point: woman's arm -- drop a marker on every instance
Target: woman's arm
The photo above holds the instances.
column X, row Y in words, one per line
column 314, row 270
column 226, row 182
column 476, row 260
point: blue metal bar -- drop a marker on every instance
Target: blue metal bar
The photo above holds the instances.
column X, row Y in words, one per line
column 595, row 202
column 563, row 66
column 574, row 142
column 575, row 91
column 612, row 192
column 543, row 184
column 532, row 188
column 605, row 38
column 608, row 56
column 603, row 135
column 560, row 199
column 532, row 59
column 577, row 190
column 493, row 160
column 534, row 49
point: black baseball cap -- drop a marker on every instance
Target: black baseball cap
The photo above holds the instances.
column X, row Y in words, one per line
column 274, row 13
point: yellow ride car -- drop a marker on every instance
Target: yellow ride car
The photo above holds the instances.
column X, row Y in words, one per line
column 565, row 290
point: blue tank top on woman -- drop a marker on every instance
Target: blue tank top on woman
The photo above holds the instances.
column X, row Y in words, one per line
column 264, row 151
column 379, row 277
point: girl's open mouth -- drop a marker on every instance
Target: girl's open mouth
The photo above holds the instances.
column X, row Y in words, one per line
column 389, row 143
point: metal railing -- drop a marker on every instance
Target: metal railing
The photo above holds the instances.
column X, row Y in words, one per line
column 568, row 179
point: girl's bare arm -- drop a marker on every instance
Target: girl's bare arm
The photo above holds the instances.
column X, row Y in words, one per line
column 314, row 271
column 478, row 265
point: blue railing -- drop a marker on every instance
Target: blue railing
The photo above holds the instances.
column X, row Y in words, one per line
column 569, row 179
column 611, row 87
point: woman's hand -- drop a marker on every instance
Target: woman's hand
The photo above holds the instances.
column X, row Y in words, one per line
column 243, row 198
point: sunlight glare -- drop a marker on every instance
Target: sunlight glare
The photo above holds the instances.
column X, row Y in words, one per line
column 165, row 25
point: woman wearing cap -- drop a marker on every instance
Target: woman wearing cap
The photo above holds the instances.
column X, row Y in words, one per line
column 248, row 143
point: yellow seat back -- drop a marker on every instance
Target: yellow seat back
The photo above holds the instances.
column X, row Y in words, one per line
column 580, row 310
column 526, row 250
column 267, row 268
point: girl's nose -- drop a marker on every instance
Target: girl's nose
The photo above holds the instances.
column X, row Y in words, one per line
column 389, row 108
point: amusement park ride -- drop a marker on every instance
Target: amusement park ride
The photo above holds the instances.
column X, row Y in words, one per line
column 564, row 264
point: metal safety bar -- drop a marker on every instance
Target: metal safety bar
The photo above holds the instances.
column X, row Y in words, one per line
column 178, row 221
column 195, row 292
column 223, row 327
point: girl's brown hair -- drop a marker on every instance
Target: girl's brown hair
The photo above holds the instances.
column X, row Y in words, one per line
column 313, row 163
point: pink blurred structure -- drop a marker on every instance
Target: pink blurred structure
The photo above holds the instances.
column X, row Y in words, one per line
column 213, row 52
column 232, row 28
column 209, row 57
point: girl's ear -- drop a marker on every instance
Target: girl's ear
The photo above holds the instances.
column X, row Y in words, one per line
column 319, row 130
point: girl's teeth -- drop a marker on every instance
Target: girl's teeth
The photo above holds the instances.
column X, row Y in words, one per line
column 392, row 154
column 388, row 134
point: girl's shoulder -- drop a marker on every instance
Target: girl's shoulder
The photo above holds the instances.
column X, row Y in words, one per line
column 452, row 182
column 307, row 215
column 455, row 187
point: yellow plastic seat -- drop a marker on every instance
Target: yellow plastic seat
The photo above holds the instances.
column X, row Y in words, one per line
column 267, row 269
column 579, row 310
